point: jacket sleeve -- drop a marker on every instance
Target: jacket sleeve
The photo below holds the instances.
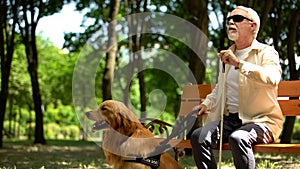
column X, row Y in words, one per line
column 211, row 99
column 268, row 71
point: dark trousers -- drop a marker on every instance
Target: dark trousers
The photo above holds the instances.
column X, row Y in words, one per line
column 240, row 137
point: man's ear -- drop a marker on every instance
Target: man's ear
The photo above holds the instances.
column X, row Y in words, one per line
column 253, row 25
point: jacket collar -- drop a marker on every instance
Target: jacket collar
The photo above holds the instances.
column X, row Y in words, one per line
column 255, row 45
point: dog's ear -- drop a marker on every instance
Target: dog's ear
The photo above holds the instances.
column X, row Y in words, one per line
column 124, row 124
column 118, row 119
column 128, row 114
column 123, row 120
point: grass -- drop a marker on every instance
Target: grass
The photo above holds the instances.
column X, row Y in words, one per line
column 56, row 154
column 88, row 155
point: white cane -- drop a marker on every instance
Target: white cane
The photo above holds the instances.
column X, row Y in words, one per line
column 222, row 118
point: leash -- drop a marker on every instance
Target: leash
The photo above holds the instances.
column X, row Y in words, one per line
column 180, row 126
column 153, row 160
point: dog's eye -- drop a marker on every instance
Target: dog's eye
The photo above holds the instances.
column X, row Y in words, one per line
column 103, row 108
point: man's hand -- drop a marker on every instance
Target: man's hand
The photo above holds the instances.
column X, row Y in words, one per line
column 202, row 109
column 228, row 57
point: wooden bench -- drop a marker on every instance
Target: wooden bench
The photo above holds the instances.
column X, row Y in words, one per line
column 193, row 95
column 286, row 89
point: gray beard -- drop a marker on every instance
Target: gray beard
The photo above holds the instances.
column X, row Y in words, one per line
column 233, row 36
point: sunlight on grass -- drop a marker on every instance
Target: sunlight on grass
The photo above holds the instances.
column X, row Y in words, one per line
column 88, row 155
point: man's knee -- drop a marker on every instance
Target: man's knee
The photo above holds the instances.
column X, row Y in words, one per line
column 238, row 137
column 195, row 136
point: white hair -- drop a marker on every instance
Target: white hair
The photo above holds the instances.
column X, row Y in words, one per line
column 253, row 16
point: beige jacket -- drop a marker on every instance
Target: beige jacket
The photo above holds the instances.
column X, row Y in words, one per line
column 260, row 73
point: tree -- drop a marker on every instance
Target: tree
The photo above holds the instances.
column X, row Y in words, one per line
column 287, row 132
column 111, row 54
column 198, row 16
column 136, row 45
column 30, row 18
column 19, row 89
column 273, row 31
column 30, row 13
column 8, row 22
column 280, row 28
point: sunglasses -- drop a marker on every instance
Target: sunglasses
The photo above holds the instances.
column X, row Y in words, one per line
column 237, row 18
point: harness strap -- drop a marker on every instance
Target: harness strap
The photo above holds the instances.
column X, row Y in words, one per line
column 153, row 161
column 185, row 123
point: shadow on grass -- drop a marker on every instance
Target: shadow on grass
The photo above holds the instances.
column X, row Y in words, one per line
column 263, row 161
column 56, row 154
column 81, row 154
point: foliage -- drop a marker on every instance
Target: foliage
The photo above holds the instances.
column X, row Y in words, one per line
column 56, row 67
column 296, row 131
column 275, row 17
column 56, row 131
column 55, row 70
column 61, row 122
column 60, row 114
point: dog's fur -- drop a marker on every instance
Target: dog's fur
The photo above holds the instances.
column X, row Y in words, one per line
column 125, row 137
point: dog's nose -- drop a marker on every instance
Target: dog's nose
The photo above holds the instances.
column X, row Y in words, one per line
column 87, row 114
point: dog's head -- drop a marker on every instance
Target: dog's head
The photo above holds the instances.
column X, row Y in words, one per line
column 112, row 115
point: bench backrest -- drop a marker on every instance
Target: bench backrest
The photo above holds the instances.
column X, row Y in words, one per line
column 193, row 94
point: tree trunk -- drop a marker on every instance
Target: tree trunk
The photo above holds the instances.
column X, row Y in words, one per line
column 130, row 69
column 31, row 53
column 288, row 126
column 198, row 9
column 10, row 118
column 7, row 37
column 223, row 32
column 277, row 23
column 29, row 40
column 137, row 50
column 29, row 122
column 264, row 16
column 111, row 54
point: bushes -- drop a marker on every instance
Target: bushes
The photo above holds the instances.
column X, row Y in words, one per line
column 296, row 131
column 71, row 132
column 55, row 131
column 52, row 131
column 60, row 122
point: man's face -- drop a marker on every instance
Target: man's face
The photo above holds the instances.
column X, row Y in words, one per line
column 239, row 28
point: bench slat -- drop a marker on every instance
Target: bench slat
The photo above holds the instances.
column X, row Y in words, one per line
column 186, row 107
column 278, row 148
column 270, row 148
column 290, row 107
column 193, row 94
column 285, row 89
column 289, row 88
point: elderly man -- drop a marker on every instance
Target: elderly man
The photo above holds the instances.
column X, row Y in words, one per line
column 246, row 94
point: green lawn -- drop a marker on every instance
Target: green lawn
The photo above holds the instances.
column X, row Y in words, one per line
column 79, row 154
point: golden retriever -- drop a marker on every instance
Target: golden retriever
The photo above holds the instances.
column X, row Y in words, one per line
column 125, row 137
